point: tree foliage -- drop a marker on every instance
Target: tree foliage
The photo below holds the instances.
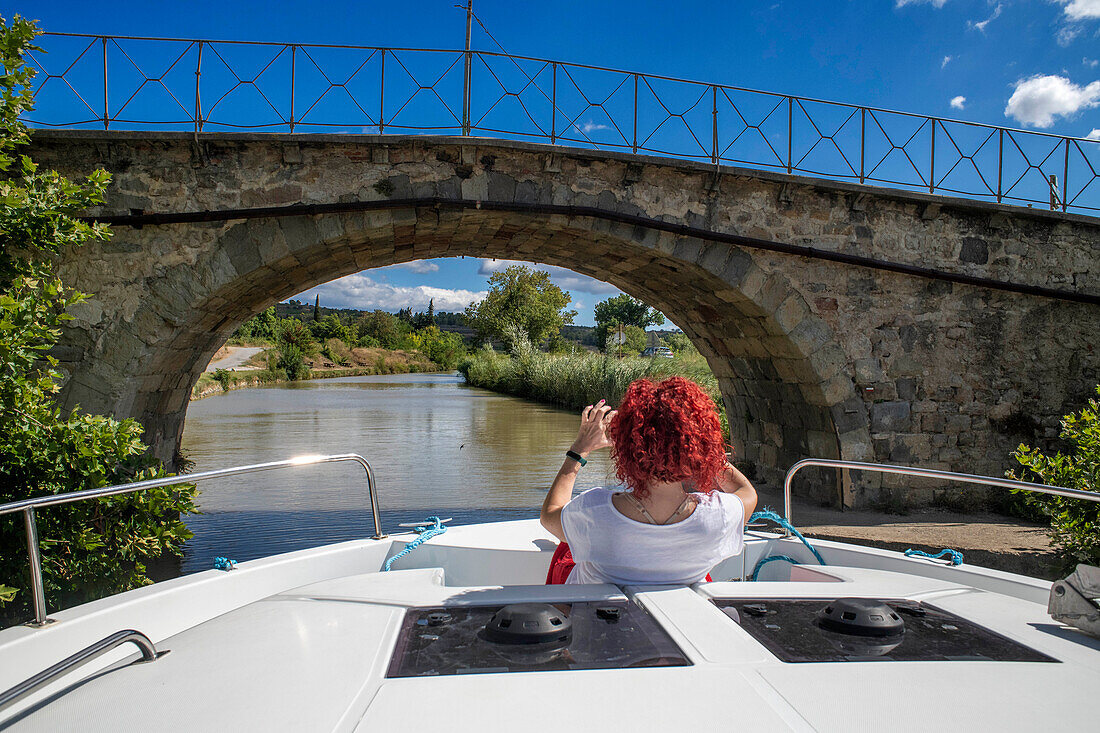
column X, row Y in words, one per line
column 522, row 297
column 625, row 310
column 680, row 344
column 1074, row 524
column 88, row 548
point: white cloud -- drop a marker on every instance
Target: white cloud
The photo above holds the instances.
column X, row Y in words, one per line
column 1091, row 63
column 1081, row 9
column 420, row 267
column 1068, row 35
column 1037, row 100
column 591, row 126
column 958, row 102
column 980, row 25
column 565, row 279
column 366, row 293
column 1094, row 135
column 946, row 61
column 933, row 3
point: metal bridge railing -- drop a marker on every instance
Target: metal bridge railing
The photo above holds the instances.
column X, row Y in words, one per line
column 128, row 83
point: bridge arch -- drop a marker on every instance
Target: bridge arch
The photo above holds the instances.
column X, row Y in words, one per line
column 771, row 366
column 840, row 321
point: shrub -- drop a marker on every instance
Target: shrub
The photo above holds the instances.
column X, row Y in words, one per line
column 223, row 377
column 1074, row 523
column 89, row 548
column 293, row 362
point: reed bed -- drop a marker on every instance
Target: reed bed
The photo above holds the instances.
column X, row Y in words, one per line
column 575, row 380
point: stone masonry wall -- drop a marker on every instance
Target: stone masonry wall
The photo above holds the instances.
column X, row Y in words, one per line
column 814, row 358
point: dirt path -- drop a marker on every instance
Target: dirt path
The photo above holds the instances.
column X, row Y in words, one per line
column 988, row 540
column 234, row 358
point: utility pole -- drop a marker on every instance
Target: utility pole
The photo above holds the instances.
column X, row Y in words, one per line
column 466, row 78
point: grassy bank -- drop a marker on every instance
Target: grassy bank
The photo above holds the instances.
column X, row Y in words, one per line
column 376, row 361
column 573, row 381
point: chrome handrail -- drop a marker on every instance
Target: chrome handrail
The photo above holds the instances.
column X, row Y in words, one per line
column 149, row 653
column 966, row 478
column 27, row 506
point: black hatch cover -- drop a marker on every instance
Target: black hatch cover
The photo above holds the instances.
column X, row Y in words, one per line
column 864, row 630
column 559, row 636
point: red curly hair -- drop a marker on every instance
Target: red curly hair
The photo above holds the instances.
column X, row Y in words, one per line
column 667, row 431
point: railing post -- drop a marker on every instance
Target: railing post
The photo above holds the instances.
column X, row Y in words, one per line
column 198, row 97
column 38, row 594
column 106, row 106
column 382, row 97
column 1065, row 178
column 469, row 68
column 1052, row 184
column 714, row 126
column 862, row 143
column 634, row 144
column 790, row 132
column 1000, row 160
column 293, row 66
column 554, row 104
column 932, row 162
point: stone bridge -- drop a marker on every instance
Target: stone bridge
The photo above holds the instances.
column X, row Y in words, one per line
column 841, row 321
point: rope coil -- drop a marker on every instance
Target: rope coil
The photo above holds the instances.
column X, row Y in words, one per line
column 425, row 534
column 772, row 516
column 954, row 557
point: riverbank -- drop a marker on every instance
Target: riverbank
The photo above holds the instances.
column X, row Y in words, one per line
column 256, row 371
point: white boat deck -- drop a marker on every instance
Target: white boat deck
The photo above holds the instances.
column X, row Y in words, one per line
column 302, row 642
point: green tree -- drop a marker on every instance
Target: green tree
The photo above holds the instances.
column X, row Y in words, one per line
column 295, row 343
column 1074, row 524
column 625, row 310
column 260, row 326
column 89, row 548
column 525, row 298
column 679, row 343
column 389, row 331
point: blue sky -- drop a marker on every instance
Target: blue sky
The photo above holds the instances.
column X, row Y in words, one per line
column 1032, row 64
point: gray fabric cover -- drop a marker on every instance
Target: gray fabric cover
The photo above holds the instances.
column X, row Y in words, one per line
column 1076, row 600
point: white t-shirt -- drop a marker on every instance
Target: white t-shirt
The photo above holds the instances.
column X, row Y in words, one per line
column 611, row 548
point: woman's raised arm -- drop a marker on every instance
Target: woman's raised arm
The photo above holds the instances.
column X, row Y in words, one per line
column 592, row 436
column 732, row 481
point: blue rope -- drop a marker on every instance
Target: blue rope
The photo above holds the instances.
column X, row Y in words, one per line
column 426, row 533
column 771, row 516
column 765, row 560
column 224, row 563
column 953, row 556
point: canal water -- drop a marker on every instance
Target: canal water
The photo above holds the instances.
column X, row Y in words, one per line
column 437, row 447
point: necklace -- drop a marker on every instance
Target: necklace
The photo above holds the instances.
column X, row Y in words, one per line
column 649, row 518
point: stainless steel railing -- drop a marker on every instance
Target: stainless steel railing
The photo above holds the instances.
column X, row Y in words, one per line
column 965, row 478
column 27, row 506
column 149, row 653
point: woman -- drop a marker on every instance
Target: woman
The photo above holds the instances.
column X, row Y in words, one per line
column 686, row 507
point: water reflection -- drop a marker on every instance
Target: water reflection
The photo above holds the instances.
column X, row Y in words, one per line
column 436, row 445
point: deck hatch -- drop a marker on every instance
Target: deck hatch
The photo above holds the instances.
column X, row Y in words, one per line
column 791, row 630
column 604, row 635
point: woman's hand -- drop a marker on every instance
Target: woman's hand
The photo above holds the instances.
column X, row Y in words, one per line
column 593, row 431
